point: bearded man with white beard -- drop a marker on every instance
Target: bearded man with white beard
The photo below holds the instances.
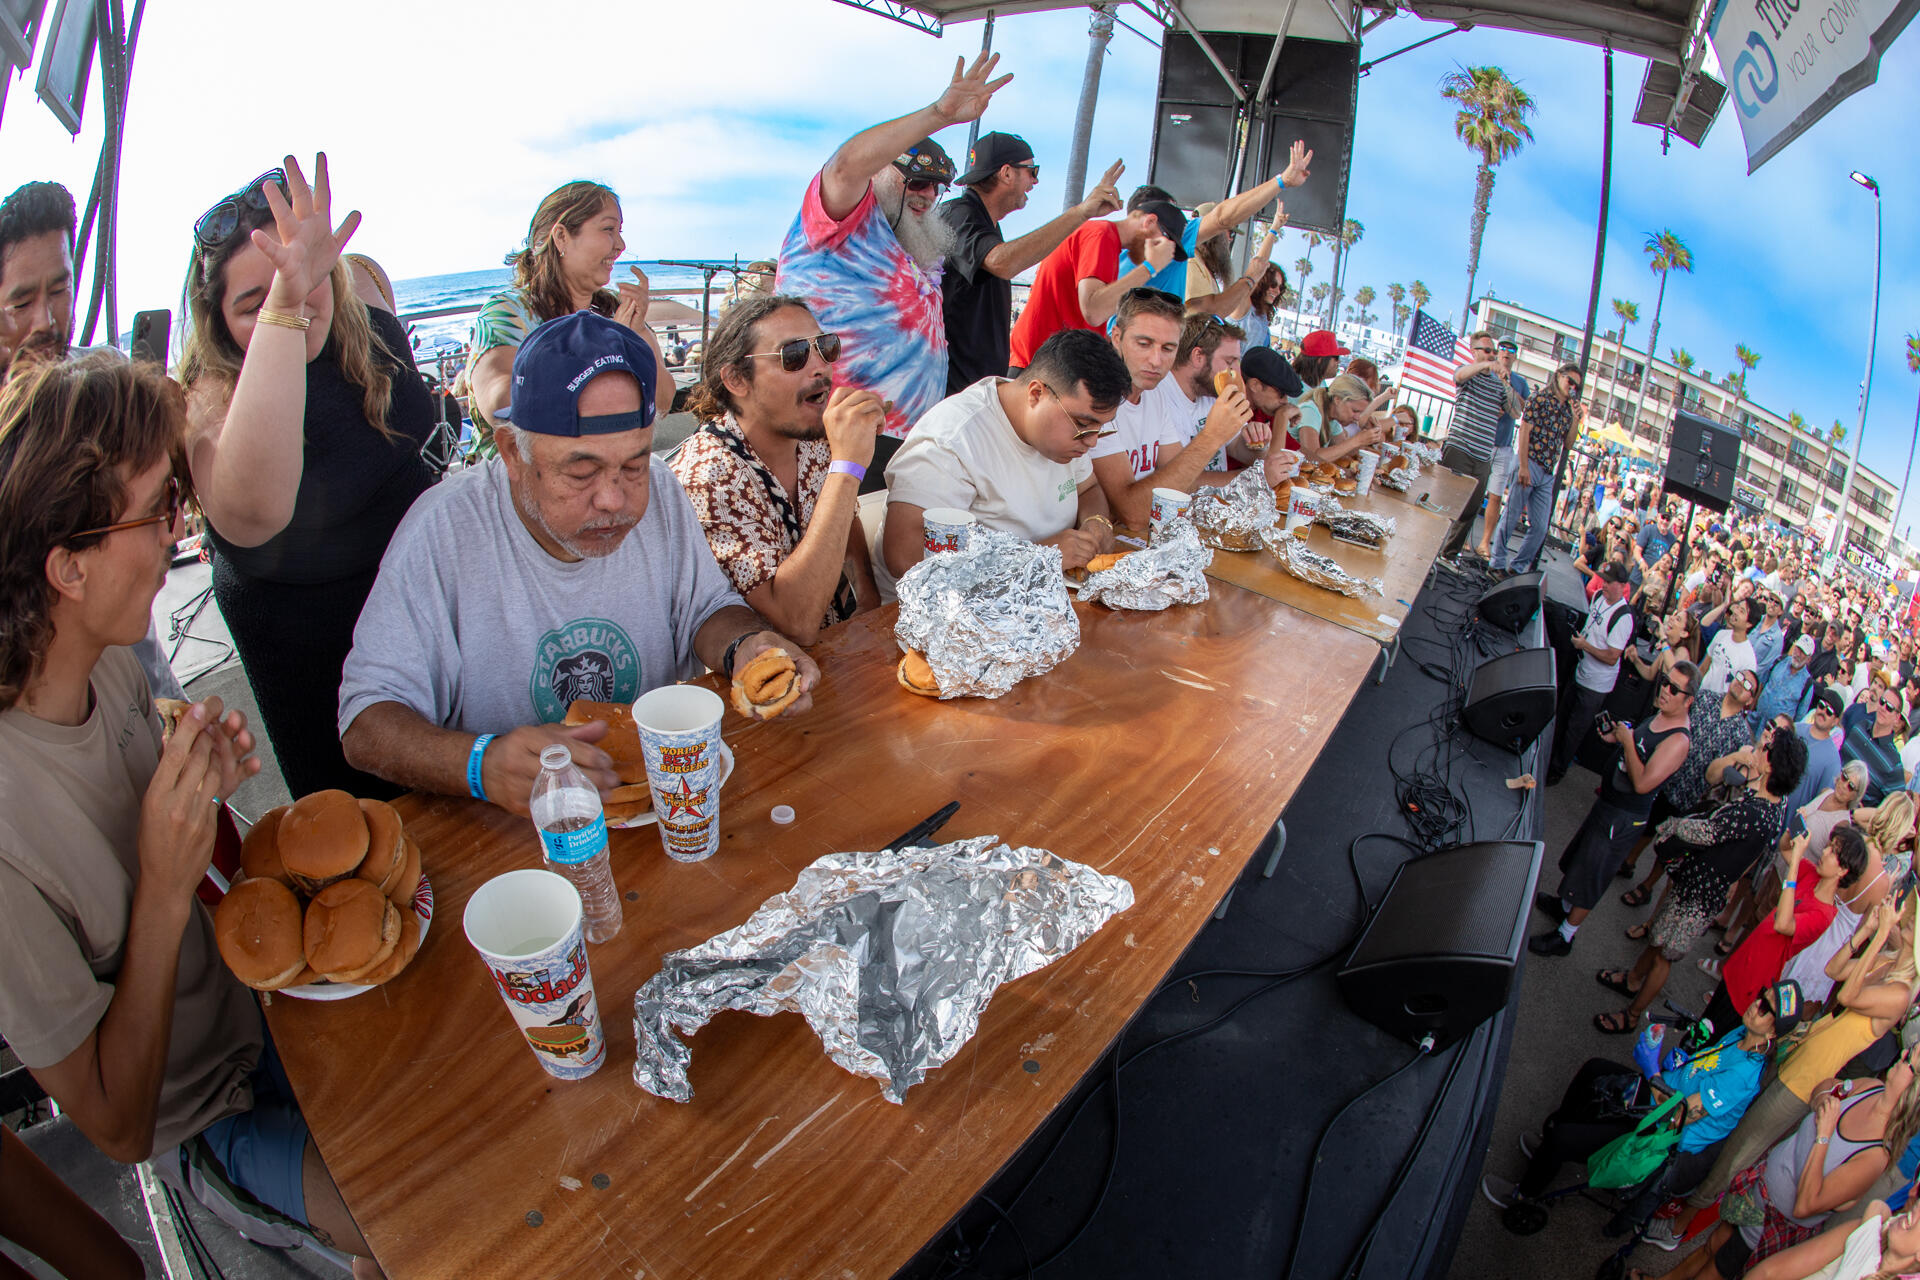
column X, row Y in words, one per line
column 866, row 252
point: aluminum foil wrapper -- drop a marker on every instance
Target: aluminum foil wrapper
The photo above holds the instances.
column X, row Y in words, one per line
column 1425, row 455
column 1233, row 516
column 1321, row 571
column 1171, row 571
column 1400, row 479
column 988, row 617
column 891, row 957
column 1361, row 526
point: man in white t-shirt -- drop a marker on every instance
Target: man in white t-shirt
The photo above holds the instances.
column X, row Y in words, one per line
column 1149, row 448
column 1730, row 651
column 1013, row 451
column 1207, row 346
column 1600, row 643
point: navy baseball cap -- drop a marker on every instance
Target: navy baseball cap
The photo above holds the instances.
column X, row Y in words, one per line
column 557, row 361
column 1264, row 364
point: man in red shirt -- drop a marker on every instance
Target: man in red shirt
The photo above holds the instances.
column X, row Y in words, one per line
column 1079, row 285
column 1805, row 909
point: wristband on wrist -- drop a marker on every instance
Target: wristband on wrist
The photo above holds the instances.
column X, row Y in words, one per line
column 853, row 469
column 726, row 662
column 1788, row 884
column 475, row 787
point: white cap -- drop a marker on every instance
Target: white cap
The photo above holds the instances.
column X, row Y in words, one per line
column 782, row 814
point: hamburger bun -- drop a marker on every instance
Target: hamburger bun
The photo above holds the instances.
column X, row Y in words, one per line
column 1283, row 495
column 916, row 676
column 767, row 685
column 350, row 928
column 625, row 803
column 1224, row 379
column 386, row 846
column 323, row 838
column 171, row 711
column 408, row 882
column 258, row 929
column 260, row 850
column 622, row 740
column 1100, row 563
column 403, row 952
column 1345, row 485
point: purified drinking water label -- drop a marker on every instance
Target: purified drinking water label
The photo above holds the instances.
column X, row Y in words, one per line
column 574, row 840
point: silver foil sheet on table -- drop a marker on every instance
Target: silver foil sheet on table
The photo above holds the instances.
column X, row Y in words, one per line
column 1171, row 571
column 989, row 616
column 1233, row 516
column 1321, row 571
column 1400, row 479
column 891, row 957
column 1357, row 526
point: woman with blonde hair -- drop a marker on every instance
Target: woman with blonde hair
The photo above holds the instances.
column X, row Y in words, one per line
column 1679, row 642
column 564, row 266
column 306, row 419
column 1338, row 419
column 1879, row 1245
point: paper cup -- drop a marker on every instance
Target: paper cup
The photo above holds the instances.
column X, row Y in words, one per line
column 1168, row 504
column 1300, row 511
column 680, row 740
column 1369, row 463
column 947, row 528
column 526, row 925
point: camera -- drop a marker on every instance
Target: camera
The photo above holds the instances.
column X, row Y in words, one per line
column 1603, row 724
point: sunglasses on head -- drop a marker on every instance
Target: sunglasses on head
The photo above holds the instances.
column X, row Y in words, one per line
column 217, row 225
column 793, row 353
column 176, row 502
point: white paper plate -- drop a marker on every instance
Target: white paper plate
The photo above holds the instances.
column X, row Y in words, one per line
column 648, row 818
column 324, row 990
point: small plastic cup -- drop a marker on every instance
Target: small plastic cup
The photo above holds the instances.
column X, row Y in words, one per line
column 947, row 528
column 527, row 927
column 1168, row 504
column 686, row 764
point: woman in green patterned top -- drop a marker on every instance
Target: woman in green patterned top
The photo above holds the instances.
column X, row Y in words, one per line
column 572, row 246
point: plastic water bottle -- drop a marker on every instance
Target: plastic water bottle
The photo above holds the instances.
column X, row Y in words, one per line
column 573, row 834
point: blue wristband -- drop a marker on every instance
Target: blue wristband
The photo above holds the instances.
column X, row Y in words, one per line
column 474, row 785
column 853, row 469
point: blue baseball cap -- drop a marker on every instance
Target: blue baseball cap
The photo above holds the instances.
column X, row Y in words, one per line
column 557, row 361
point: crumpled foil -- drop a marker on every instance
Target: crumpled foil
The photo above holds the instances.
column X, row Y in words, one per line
column 988, row 617
column 1171, row 571
column 1424, row 455
column 891, row 957
column 1360, row 526
column 1400, row 479
column 1234, row 515
column 1312, row 567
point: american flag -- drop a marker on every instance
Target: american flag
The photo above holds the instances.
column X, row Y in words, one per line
column 1433, row 353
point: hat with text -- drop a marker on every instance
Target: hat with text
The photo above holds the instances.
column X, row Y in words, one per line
column 1804, row 645
column 1173, row 224
column 1321, row 342
column 991, row 151
column 925, row 161
column 1264, row 364
column 557, row 361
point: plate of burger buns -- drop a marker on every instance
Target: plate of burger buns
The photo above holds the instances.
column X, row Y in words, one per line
column 631, row 803
column 331, row 900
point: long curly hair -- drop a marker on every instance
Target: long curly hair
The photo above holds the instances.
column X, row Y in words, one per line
column 211, row 354
column 730, row 347
column 72, row 434
column 536, row 264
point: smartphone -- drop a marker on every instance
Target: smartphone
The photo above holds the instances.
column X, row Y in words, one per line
column 150, row 334
column 1603, row 724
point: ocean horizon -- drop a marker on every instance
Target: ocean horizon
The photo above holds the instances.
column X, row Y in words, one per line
column 472, row 288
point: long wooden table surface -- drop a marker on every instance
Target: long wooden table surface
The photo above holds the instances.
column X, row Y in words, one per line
column 1161, row 751
column 1401, row 565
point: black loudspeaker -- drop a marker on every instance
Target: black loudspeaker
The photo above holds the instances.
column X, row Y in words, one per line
column 1438, row 957
column 1510, row 605
column 1511, row 698
column 1702, row 462
column 1312, row 98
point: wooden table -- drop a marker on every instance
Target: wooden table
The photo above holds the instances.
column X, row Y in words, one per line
column 1161, row 751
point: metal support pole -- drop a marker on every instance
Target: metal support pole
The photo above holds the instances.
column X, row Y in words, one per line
column 1099, row 32
column 986, row 47
column 1866, row 383
column 1599, row 264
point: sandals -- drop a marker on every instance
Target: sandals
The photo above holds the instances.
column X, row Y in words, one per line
column 1615, row 980
column 1723, row 949
column 1617, row 1023
column 1640, row 931
column 1638, row 896
column 1709, row 967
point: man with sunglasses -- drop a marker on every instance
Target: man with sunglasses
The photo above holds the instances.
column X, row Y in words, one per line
column 1481, row 395
column 774, row 471
column 865, row 252
column 1769, row 636
column 977, row 286
column 1552, row 419
column 1872, row 727
column 1013, row 452
column 1500, row 477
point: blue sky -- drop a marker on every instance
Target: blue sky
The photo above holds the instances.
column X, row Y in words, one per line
column 710, row 118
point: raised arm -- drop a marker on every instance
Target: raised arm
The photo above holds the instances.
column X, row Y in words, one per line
column 844, row 181
column 1010, row 257
column 1099, row 300
column 1234, row 210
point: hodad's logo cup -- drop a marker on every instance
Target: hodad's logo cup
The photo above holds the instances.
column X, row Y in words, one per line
column 946, row 529
column 526, row 925
column 686, row 765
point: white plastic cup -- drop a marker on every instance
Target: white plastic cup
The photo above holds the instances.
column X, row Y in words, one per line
column 946, row 529
column 1168, row 504
column 686, row 764
column 1369, row 463
column 527, row 927
column 1301, row 509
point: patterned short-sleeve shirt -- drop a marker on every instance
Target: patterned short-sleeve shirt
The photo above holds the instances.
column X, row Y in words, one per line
column 1548, row 418
column 734, row 500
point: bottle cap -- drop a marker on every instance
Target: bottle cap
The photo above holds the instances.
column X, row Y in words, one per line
column 782, row 814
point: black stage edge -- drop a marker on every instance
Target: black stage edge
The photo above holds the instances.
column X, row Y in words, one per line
column 1217, row 1122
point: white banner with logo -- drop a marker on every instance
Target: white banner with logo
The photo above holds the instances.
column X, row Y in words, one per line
column 1789, row 62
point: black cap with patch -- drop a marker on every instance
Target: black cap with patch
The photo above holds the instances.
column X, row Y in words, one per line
column 926, row 161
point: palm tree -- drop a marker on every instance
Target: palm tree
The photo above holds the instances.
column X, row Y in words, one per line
column 1795, row 421
column 1314, row 241
column 1628, row 314
column 1492, row 122
column 1350, row 233
column 1666, row 252
column 1362, row 299
column 1420, row 294
column 1737, row 383
column 1913, row 366
column 1682, row 358
column 1401, row 314
column 1837, row 436
column 1318, row 294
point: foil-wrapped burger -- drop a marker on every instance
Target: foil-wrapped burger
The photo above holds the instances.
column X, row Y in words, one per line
column 1319, row 570
column 1356, row 526
column 1233, row 516
column 1171, row 571
column 987, row 617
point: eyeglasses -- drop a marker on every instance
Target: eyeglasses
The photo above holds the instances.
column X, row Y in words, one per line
column 217, row 225
column 1822, row 709
column 1671, row 686
column 793, row 353
column 1081, row 433
column 1033, row 169
column 176, row 502
column 917, row 185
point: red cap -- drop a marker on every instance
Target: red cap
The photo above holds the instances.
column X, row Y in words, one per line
column 1321, row 342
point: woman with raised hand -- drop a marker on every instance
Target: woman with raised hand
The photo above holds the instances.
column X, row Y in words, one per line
column 572, row 247
column 306, row 418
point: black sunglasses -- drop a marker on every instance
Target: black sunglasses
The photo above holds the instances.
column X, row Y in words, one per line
column 1669, row 684
column 925, row 184
column 793, row 353
column 217, row 225
column 176, row 502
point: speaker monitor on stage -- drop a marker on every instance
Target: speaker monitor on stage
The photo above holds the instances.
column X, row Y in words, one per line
column 1510, row 605
column 1438, row 956
column 1702, row 461
column 1510, row 699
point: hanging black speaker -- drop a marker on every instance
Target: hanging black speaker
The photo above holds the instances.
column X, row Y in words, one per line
column 1510, row 605
column 1510, row 699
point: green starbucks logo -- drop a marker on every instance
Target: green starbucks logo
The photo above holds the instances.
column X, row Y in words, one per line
column 589, row 658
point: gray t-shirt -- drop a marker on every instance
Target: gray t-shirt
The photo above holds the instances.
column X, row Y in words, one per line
column 474, row 626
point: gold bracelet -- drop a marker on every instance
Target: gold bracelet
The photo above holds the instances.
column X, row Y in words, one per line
column 281, row 319
column 1102, row 519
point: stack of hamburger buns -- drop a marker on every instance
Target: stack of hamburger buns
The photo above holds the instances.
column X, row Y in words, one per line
column 632, row 797
column 325, row 894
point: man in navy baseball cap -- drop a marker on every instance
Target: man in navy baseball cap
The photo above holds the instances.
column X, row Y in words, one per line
column 558, row 362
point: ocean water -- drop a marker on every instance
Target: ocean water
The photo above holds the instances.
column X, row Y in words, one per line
column 471, row 288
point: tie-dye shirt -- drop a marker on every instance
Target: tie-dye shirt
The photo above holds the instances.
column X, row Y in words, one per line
column 862, row 285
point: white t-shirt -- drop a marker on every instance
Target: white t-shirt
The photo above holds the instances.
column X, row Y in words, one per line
column 1728, row 656
column 1609, row 626
column 1140, row 430
column 1188, row 415
column 1910, row 755
column 964, row 453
